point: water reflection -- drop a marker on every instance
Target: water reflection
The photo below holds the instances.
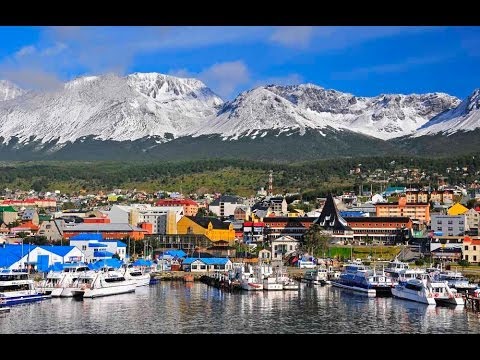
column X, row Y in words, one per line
column 176, row 307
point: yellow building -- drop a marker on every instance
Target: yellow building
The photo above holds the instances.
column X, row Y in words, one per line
column 212, row 228
column 457, row 209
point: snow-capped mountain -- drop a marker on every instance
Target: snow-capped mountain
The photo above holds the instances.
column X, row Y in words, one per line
column 110, row 107
column 465, row 117
column 304, row 106
column 9, row 90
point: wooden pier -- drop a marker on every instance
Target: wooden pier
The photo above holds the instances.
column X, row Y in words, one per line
column 472, row 302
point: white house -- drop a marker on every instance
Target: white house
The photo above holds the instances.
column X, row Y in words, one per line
column 264, row 255
column 283, row 246
column 23, row 256
column 95, row 247
column 207, row 264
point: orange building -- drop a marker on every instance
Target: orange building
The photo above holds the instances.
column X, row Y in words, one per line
column 190, row 207
column 96, row 220
column 418, row 211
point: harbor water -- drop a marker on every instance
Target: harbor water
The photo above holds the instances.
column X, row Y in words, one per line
column 175, row 307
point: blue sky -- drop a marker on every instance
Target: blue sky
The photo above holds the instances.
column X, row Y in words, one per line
column 363, row 60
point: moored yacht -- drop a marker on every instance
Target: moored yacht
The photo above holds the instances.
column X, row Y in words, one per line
column 70, row 273
column 141, row 277
column 318, row 276
column 104, row 282
column 455, row 280
column 17, row 288
column 426, row 290
column 359, row 278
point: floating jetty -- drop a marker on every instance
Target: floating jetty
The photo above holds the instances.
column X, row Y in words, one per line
column 472, row 302
column 222, row 282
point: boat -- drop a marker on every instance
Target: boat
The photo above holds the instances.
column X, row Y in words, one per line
column 70, row 273
column 141, row 278
column 358, row 277
column 318, row 276
column 400, row 271
column 17, row 288
column 251, row 279
column 272, row 282
column 455, row 280
column 4, row 309
column 51, row 281
column 287, row 282
column 425, row 289
column 414, row 290
column 104, row 282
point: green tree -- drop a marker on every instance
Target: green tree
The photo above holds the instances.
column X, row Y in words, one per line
column 316, row 241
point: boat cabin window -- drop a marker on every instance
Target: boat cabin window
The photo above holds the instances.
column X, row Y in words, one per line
column 13, row 277
column 115, row 279
column 9, row 288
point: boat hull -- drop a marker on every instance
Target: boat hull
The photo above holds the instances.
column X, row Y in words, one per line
column 106, row 291
column 368, row 292
column 413, row 297
column 22, row 299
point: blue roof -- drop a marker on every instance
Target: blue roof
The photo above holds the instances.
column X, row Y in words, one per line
column 115, row 263
column 97, row 244
column 87, row 236
column 104, row 254
column 351, row 213
column 119, row 243
column 55, row 267
column 10, row 254
column 207, row 261
column 142, row 262
column 58, row 250
column 175, row 253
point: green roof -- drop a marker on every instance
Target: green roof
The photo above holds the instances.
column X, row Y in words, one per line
column 44, row 217
column 7, row 209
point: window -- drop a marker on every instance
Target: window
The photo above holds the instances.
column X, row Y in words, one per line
column 474, row 248
column 466, row 257
column 460, row 222
column 474, row 257
column 84, row 247
column 291, row 247
column 194, row 267
column 450, row 228
column 466, row 247
column 202, row 267
column 48, row 226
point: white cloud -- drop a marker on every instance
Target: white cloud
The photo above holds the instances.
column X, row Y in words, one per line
column 293, row 36
column 181, row 73
column 32, row 78
column 225, row 78
column 25, row 51
column 54, row 50
column 290, row 79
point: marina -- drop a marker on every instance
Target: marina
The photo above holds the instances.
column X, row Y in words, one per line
column 176, row 307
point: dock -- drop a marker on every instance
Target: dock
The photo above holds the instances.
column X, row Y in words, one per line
column 472, row 302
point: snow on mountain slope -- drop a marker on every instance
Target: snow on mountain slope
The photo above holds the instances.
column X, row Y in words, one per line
column 464, row 117
column 9, row 90
column 110, row 107
column 383, row 116
column 259, row 110
column 310, row 106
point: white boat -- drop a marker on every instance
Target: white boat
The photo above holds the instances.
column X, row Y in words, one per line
column 272, row 283
column 51, row 281
column 358, row 277
column 455, row 280
column 287, row 282
column 424, row 289
column 251, row 279
column 317, row 276
column 400, row 271
column 17, row 288
column 105, row 282
column 70, row 273
column 141, row 277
